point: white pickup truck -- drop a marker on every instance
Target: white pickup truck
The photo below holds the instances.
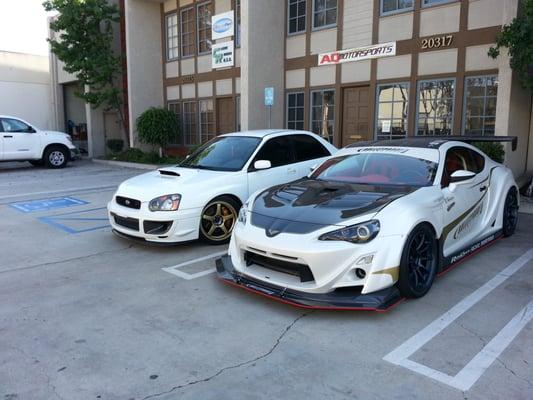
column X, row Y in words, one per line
column 20, row 141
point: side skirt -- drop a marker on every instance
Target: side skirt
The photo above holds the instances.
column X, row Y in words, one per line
column 451, row 261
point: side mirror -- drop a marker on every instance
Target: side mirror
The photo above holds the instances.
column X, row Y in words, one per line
column 461, row 175
column 458, row 177
column 262, row 164
column 30, row 130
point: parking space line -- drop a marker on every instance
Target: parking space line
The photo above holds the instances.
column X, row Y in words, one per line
column 477, row 366
column 71, row 190
column 175, row 270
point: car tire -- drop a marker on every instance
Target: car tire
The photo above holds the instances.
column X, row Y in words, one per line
column 510, row 212
column 419, row 262
column 218, row 219
column 37, row 163
column 56, row 157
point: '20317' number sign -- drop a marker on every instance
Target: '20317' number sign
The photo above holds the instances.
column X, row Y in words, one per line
column 436, row 42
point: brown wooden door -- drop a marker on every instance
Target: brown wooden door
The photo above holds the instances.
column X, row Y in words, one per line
column 356, row 115
column 225, row 115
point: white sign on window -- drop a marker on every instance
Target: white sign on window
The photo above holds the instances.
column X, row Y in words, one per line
column 222, row 25
column 222, row 55
column 385, row 126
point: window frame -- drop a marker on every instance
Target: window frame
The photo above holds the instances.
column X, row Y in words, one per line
column 207, row 3
column 327, row 26
column 237, row 37
column 304, row 30
column 194, row 120
column 376, row 116
column 178, row 112
column 417, row 117
column 289, row 93
column 465, row 98
column 397, row 11
column 321, row 90
column 189, row 33
column 425, row 4
column 201, row 123
column 177, row 37
column 238, row 113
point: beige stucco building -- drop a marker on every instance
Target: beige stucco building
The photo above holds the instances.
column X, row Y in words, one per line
column 347, row 69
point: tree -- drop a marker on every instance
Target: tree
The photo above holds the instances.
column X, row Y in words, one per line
column 518, row 38
column 84, row 44
column 158, row 126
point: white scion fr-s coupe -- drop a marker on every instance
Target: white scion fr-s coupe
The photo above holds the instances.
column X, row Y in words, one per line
column 202, row 196
column 372, row 225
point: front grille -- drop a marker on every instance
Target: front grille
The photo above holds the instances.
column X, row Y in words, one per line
column 156, row 227
column 130, row 223
column 127, row 202
column 302, row 271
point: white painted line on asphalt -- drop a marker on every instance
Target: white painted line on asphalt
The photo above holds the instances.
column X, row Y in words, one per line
column 84, row 189
column 477, row 366
column 175, row 270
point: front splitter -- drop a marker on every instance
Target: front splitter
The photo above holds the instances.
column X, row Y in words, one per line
column 379, row 301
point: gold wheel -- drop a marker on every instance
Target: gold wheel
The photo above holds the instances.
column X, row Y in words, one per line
column 218, row 220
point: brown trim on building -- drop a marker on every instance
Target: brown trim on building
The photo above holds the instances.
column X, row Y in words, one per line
column 124, row 61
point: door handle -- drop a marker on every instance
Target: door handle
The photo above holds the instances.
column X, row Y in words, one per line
column 291, row 170
column 482, row 188
column 8, row 136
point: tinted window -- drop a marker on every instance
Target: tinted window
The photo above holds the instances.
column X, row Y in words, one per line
column 390, row 169
column 308, row 148
column 14, row 125
column 223, row 154
column 461, row 158
column 277, row 150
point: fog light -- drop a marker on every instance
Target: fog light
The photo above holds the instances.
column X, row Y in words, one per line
column 360, row 273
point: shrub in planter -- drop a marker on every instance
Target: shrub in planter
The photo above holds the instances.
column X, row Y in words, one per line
column 158, row 126
column 115, row 145
column 494, row 150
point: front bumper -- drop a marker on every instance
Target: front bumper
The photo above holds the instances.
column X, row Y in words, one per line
column 380, row 301
column 74, row 154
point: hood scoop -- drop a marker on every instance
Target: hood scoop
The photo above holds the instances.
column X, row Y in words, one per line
column 167, row 172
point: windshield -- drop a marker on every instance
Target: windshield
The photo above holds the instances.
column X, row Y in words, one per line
column 391, row 169
column 227, row 153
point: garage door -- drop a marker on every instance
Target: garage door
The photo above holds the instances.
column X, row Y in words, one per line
column 355, row 115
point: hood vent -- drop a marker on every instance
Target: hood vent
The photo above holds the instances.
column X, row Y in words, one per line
column 168, row 173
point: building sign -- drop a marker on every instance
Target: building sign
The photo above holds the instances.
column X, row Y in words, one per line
column 222, row 25
column 436, row 42
column 269, row 96
column 362, row 53
column 222, row 55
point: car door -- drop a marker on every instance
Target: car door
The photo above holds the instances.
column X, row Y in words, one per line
column 308, row 152
column 464, row 203
column 19, row 140
column 279, row 151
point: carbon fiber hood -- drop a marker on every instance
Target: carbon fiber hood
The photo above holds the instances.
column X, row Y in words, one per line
column 306, row 205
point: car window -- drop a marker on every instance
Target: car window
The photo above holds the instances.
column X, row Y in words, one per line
column 461, row 158
column 372, row 169
column 14, row 125
column 277, row 150
column 307, row 148
column 227, row 153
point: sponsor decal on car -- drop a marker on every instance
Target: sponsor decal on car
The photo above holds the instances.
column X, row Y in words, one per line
column 466, row 225
column 471, row 249
column 382, row 149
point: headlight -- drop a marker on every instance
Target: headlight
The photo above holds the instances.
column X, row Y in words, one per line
column 360, row 233
column 169, row 202
column 243, row 214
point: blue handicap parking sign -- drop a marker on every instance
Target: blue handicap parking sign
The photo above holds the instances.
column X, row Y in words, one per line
column 47, row 204
column 269, row 96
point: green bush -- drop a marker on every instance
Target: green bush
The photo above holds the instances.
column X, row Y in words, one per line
column 115, row 145
column 139, row 156
column 158, row 126
column 494, row 150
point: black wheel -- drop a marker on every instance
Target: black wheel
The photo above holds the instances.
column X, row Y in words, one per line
column 36, row 163
column 510, row 212
column 419, row 262
column 56, row 157
column 218, row 219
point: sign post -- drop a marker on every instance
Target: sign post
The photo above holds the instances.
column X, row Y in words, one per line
column 269, row 102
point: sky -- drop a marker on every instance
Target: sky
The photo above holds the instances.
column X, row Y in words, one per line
column 24, row 26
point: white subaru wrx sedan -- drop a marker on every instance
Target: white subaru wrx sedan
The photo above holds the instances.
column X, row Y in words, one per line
column 201, row 197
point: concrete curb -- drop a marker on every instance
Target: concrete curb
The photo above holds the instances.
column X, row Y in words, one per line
column 126, row 164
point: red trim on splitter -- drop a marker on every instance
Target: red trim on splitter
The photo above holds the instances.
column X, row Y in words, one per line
column 456, row 264
column 298, row 305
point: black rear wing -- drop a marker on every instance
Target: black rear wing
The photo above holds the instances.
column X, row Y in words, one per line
column 476, row 139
